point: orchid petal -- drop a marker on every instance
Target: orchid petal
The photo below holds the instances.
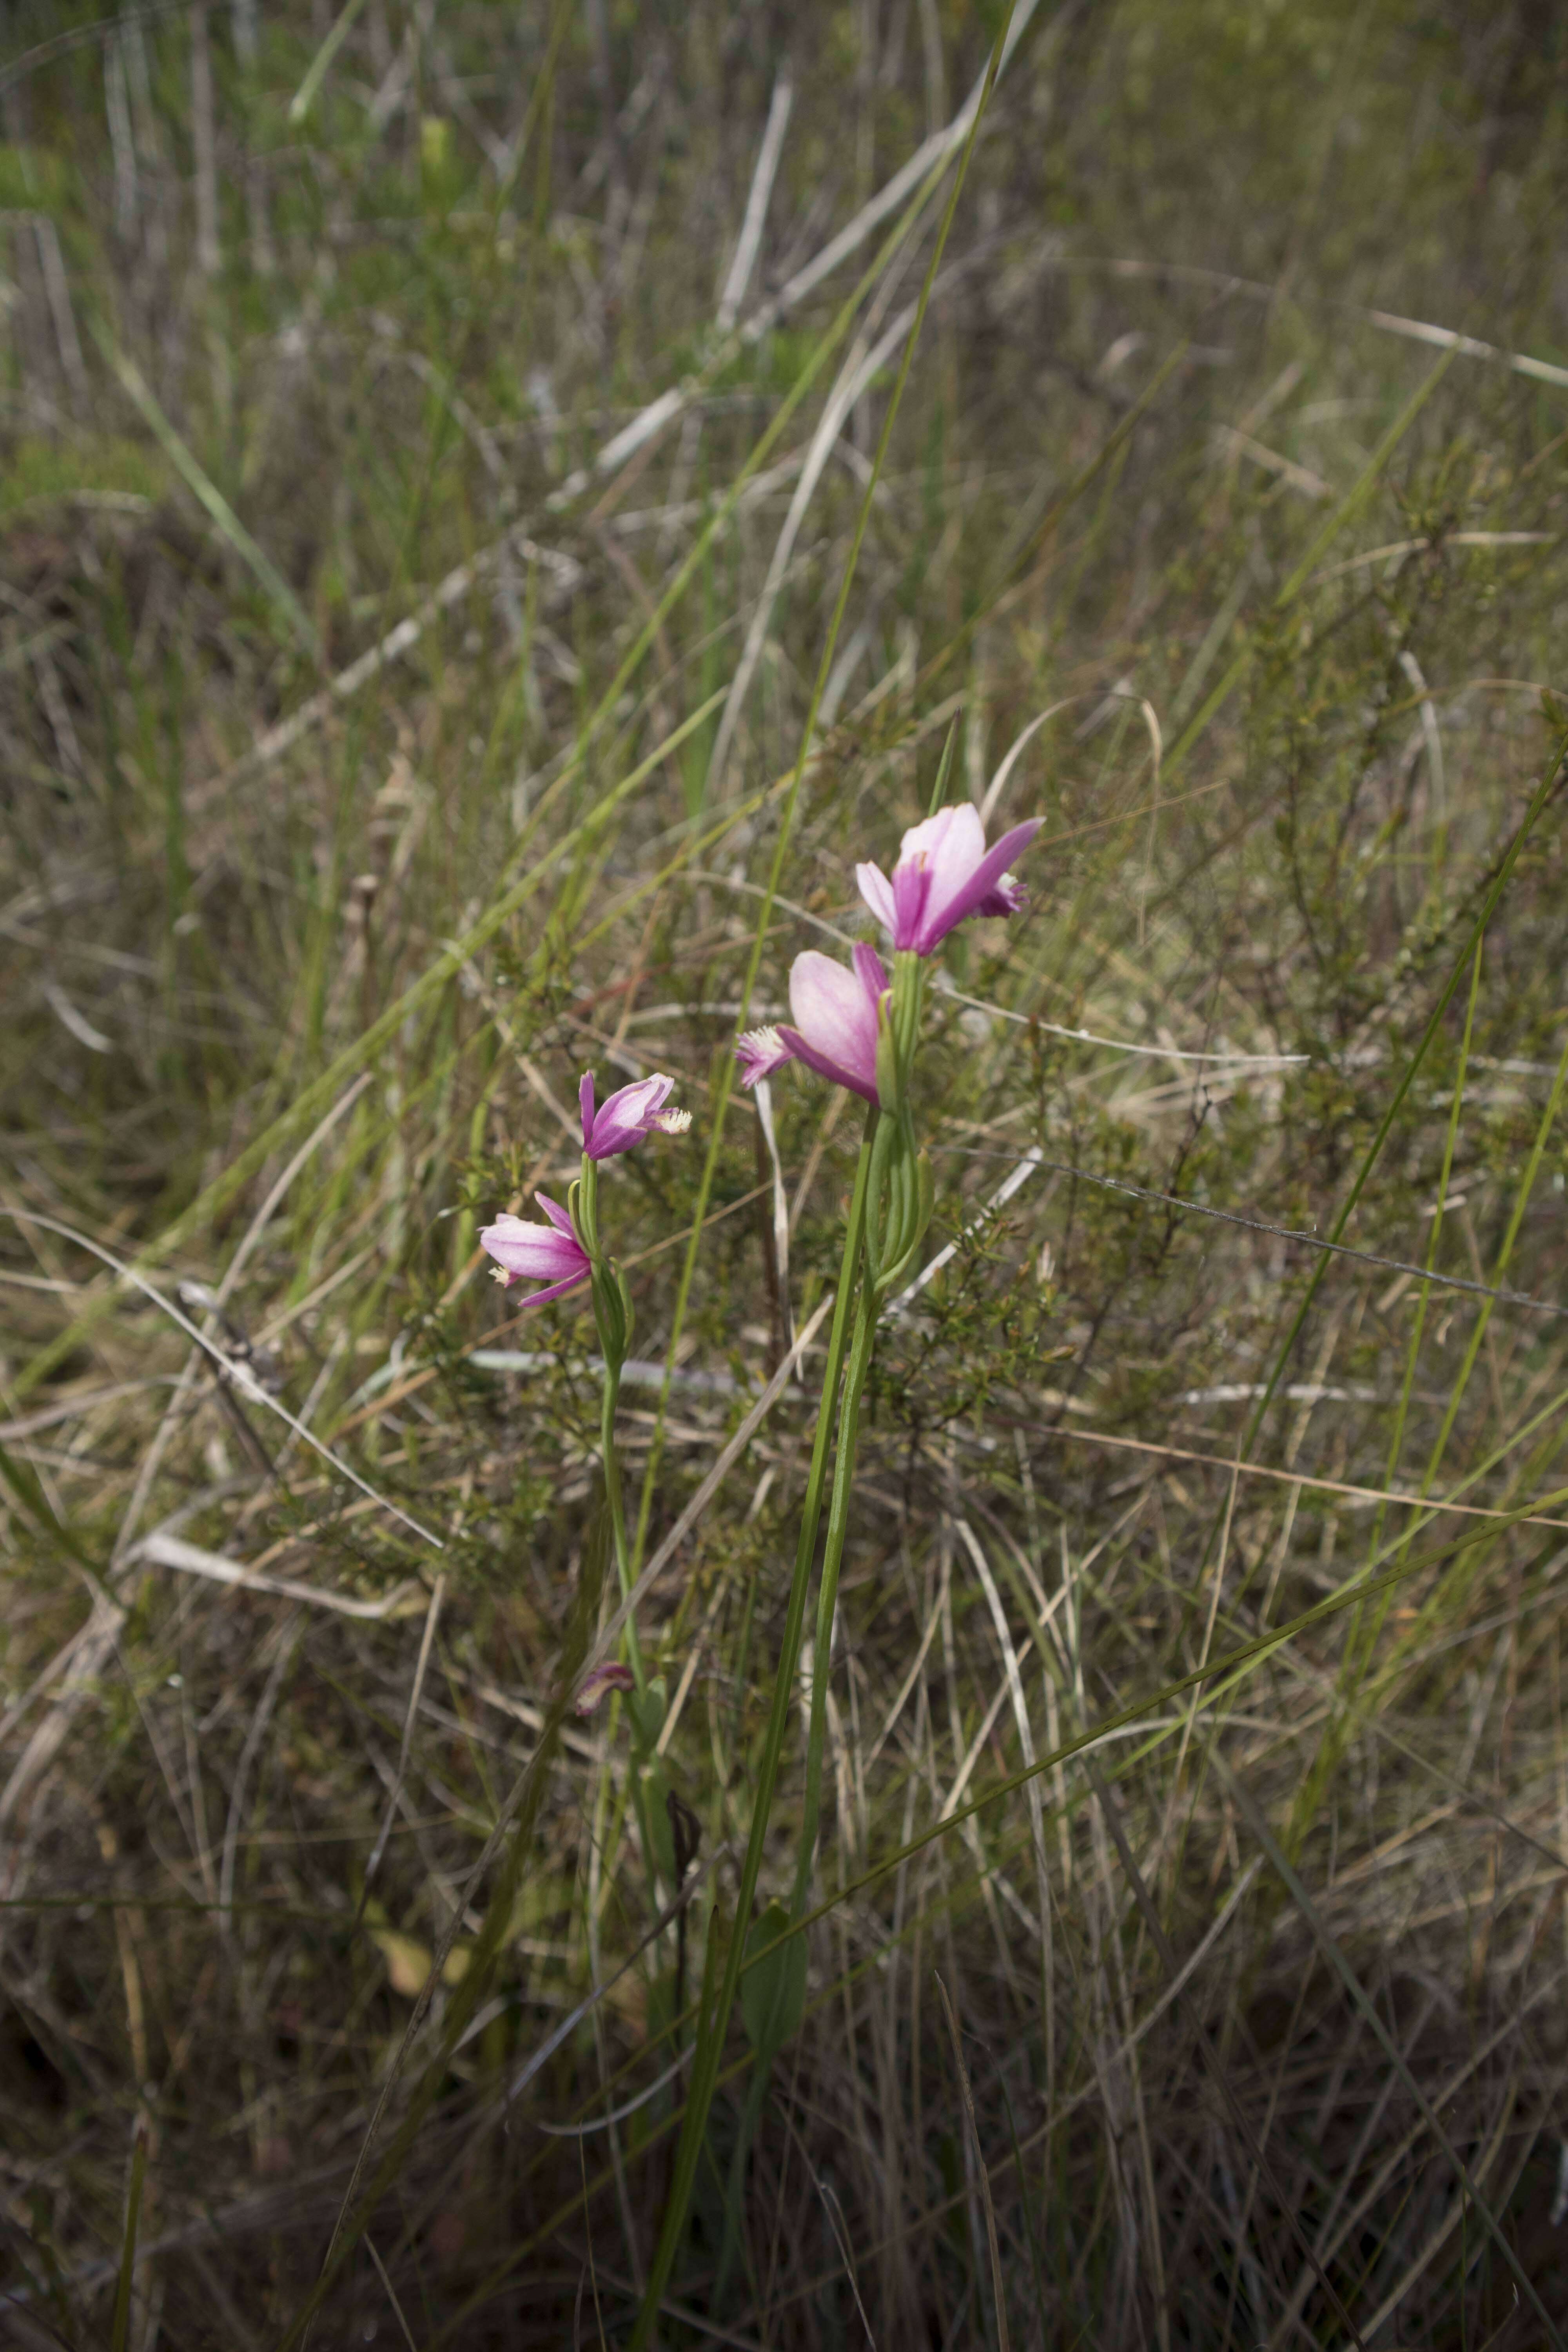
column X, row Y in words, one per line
column 945, row 873
column 627, row 1117
column 951, row 842
column 878, row 892
column 557, row 1215
column 803, row 1050
column 984, row 885
column 556, row 1289
column 911, row 895
column 838, row 1017
column 1009, row 897
column 534, row 1251
column 870, row 970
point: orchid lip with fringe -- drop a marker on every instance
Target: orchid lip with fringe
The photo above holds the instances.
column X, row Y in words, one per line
column 624, row 1118
column 945, row 874
column 761, row 1052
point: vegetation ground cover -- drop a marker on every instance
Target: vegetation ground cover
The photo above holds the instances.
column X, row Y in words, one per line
column 443, row 458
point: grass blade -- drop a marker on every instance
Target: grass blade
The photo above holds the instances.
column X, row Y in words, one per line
column 1247, row 1806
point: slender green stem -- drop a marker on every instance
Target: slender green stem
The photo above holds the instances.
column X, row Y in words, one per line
column 610, row 1462
column 827, row 1587
column 708, row 2054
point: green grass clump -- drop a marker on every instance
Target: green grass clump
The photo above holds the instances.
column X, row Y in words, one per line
column 374, row 761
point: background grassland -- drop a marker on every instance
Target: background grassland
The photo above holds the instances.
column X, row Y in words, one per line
column 385, row 738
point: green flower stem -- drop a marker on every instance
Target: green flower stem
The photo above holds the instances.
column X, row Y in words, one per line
column 708, row 2055
column 612, row 1315
column 827, row 1587
column 655, row 1849
column 610, row 1462
column 613, row 1318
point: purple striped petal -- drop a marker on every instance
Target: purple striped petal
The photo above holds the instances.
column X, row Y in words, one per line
column 911, row 895
column 945, row 873
column 537, row 1253
column 557, row 1215
column 627, row 1117
column 835, row 1016
column 803, row 1050
column 985, row 891
column 556, row 1289
column 550, row 1253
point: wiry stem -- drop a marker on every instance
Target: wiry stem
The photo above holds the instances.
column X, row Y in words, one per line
column 708, row 2053
column 827, row 1587
column 610, row 1462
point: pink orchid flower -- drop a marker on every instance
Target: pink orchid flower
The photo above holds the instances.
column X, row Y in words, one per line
column 611, row 1675
column 629, row 1114
column 524, row 1252
column 835, row 1027
column 945, row 873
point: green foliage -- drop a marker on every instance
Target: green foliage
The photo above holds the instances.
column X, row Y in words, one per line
column 306, row 1008
column 102, row 470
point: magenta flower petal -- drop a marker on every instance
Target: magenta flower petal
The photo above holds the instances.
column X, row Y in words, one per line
column 541, row 1251
column 944, row 874
column 524, row 1252
column 621, row 1119
column 834, row 1031
column 557, row 1215
column 1008, row 898
column 803, row 1050
column 629, row 1114
column 987, row 890
column 555, row 1291
column 911, row 895
column 835, row 1027
column 870, row 969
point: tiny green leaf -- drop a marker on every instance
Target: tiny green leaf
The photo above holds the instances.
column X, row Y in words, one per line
column 772, row 1990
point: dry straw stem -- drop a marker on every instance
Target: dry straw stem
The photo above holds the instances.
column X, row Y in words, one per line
column 1246, row 1804
column 1004, row 2336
